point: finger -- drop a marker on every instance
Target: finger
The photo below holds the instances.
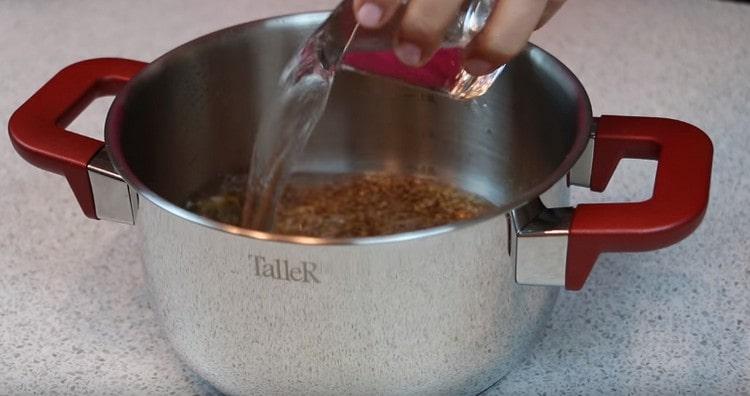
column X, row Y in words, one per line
column 552, row 7
column 506, row 33
column 423, row 27
column 373, row 14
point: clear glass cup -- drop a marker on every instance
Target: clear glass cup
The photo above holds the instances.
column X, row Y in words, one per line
column 343, row 43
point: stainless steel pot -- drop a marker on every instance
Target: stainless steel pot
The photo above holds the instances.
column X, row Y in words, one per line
column 447, row 310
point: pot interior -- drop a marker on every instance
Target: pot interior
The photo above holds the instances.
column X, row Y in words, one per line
column 191, row 117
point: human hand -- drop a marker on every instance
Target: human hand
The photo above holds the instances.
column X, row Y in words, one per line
column 425, row 23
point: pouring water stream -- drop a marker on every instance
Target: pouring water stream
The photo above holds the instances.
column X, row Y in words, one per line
column 305, row 85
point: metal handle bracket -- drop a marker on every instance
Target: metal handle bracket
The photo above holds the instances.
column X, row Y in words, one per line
column 114, row 199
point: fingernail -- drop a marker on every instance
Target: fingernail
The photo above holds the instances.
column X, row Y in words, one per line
column 477, row 67
column 409, row 54
column 369, row 15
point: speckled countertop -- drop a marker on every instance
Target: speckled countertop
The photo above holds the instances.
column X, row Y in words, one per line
column 75, row 317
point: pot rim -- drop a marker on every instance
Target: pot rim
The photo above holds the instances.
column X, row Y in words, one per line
column 113, row 135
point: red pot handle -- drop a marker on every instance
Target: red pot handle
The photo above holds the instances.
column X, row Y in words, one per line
column 37, row 128
column 679, row 200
